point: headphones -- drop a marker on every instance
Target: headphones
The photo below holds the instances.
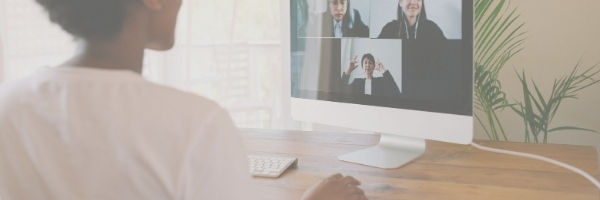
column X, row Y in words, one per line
column 406, row 25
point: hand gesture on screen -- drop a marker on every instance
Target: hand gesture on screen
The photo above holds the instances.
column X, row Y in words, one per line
column 379, row 66
column 353, row 65
column 335, row 187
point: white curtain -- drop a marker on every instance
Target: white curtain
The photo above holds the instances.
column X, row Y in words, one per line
column 226, row 50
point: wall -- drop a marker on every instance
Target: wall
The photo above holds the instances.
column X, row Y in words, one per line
column 1, row 59
column 559, row 34
column 2, row 40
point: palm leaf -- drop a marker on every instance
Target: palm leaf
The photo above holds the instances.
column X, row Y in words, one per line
column 563, row 128
column 497, row 39
column 537, row 90
column 564, row 88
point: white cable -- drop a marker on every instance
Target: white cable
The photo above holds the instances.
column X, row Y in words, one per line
column 569, row 167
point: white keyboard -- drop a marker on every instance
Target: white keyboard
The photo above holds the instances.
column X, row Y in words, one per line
column 269, row 166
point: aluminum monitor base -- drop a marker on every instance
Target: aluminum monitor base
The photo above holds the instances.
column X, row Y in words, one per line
column 391, row 152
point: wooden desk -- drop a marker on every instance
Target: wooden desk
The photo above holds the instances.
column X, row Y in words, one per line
column 445, row 171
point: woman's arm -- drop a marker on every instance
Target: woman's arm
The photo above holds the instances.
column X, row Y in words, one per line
column 390, row 31
column 391, row 88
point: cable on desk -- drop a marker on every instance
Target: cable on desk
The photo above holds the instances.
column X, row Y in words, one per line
column 569, row 167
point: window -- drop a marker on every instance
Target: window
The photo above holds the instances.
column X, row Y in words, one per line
column 226, row 50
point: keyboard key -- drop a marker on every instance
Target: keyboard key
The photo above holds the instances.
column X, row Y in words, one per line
column 273, row 167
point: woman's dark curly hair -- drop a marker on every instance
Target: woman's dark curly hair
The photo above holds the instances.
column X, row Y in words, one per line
column 89, row 19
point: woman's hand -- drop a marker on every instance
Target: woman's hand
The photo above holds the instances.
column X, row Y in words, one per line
column 335, row 187
column 379, row 66
column 353, row 65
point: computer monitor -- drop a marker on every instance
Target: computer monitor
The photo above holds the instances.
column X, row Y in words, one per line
column 400, row 68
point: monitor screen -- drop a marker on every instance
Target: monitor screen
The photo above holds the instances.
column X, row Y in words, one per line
column 407, row 54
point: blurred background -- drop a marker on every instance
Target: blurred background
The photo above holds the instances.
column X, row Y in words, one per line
column 226, row 50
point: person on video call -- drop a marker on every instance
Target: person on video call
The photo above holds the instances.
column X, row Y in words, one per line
column 380, row 86
column 425, row 65
column 93, row 128
column 412, row 23
column 341, row 21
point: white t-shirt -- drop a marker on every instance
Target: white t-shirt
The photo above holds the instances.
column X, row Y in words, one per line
column 80, row 133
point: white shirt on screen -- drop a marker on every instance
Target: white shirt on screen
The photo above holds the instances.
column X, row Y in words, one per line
column 337, row 28
column 368, row 84
column 80, row 133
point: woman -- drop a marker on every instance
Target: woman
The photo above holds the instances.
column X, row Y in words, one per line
column 341, row 20
column 379, row 86
column 425, row 52
column 412, row 23
column 93, row 128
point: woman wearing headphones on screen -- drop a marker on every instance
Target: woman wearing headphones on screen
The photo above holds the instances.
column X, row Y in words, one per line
column 93, row 128
column 412, row 23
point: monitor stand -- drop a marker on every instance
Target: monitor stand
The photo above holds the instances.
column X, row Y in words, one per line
column 391, row 152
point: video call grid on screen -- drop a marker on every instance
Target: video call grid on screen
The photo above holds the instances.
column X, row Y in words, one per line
column 431, row 73
column 377, row 13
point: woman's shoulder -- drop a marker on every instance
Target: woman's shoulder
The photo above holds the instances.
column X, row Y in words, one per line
column 360, row 28
column 394, row 24
column 432, row 25
column 359, row 81
column 390, row 30
column 433, row 29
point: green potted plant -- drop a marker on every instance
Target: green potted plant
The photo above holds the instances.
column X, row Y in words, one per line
column 498, row 37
